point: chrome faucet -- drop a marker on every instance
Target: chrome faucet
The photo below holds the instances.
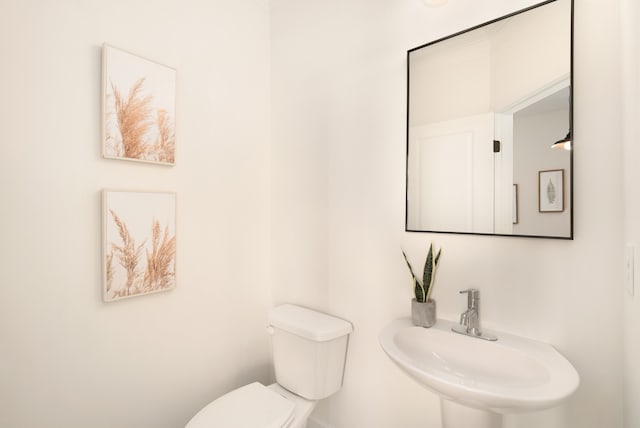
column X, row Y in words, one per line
column 470, row 319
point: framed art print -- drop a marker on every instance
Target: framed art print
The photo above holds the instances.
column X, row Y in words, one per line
column 139, row 243
column 551, row 191
column 138, row 106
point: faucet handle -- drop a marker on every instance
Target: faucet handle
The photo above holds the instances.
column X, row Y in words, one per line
column 473, row 295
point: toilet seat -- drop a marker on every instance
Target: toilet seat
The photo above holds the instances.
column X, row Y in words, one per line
column 250, row 406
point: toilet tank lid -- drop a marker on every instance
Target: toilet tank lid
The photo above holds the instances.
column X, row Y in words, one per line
column 308, row 323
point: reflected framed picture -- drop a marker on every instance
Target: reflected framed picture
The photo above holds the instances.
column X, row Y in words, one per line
column 551, row 191
column 139, row 243
column 515, row 204
column 138, row 108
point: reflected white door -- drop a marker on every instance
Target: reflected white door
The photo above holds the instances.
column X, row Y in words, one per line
column 451, row 176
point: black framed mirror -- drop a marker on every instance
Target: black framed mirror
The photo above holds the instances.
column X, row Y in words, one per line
column 484, row 108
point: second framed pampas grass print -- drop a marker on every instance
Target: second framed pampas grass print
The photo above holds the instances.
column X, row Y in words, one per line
column 138, row 106
column 139, row 243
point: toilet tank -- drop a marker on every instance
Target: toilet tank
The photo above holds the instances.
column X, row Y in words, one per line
column 309, row 350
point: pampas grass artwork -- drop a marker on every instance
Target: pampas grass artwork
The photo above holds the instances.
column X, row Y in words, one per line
column 138, row 108
column 139, row 243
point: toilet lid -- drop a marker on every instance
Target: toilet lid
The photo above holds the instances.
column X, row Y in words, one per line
column 250, row 406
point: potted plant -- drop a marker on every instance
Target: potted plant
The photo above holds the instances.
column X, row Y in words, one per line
column 423, row 308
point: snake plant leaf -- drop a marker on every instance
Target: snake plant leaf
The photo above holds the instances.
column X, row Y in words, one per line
column 418, row 290
column 427, row 275
column 410, row 268
column 432, row 275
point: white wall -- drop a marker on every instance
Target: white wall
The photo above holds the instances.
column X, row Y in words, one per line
column 350, row 58
column 67, row 359
column 299, row 208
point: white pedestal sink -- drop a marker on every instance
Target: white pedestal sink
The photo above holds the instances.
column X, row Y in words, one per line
column 478, row 380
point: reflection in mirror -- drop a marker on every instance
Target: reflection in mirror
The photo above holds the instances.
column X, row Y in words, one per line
column 484, row 108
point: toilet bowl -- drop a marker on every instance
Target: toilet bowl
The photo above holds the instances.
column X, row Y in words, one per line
column 309, row 354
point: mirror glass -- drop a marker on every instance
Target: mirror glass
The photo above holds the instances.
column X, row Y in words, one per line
column 484, row 108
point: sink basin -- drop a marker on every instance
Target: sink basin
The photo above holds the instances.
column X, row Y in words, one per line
column 513, row 374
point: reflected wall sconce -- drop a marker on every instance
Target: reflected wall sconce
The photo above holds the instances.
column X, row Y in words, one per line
column 564, row 144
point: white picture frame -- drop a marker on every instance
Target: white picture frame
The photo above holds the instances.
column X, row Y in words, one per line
column 138, row 108
column 139, row 243
column 551, row 191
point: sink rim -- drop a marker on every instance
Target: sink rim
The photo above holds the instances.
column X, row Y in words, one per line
column 562, row 382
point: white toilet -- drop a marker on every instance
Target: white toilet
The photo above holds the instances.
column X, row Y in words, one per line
column 309, row 353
